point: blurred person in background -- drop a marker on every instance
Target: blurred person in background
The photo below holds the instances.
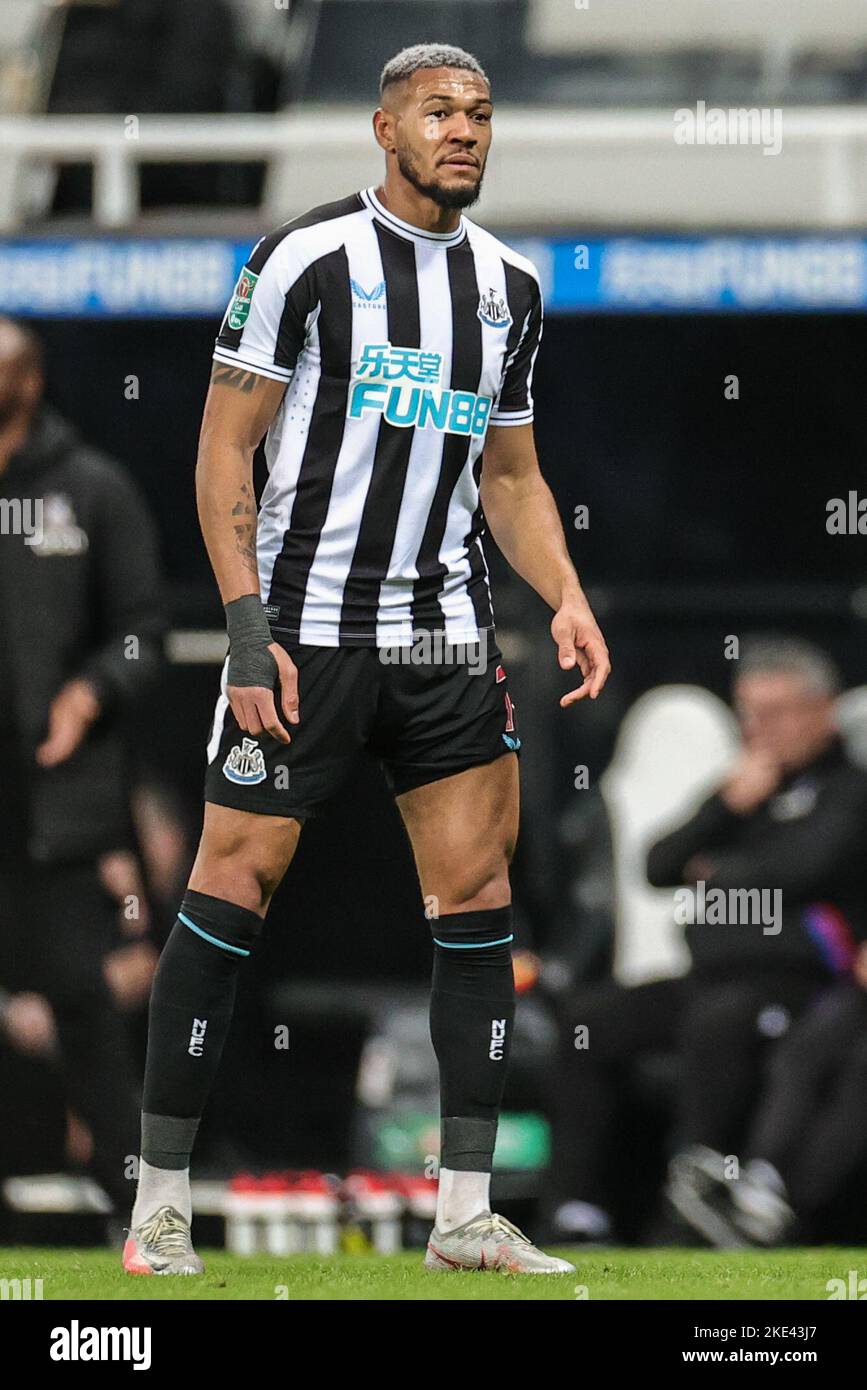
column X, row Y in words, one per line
column 80, row 638
column 807, row 1145
column 791, row 820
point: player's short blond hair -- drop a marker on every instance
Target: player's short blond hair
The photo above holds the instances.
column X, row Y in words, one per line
column 427, row 55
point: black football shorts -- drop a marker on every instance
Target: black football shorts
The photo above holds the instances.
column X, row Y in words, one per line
column 424, row 714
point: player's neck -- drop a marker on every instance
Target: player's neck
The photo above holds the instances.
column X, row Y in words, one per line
column 405, row 202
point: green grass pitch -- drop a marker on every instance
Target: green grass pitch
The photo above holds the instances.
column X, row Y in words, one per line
column 601, row 1274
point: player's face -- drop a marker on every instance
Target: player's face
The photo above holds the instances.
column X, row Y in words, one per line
column 779, row 714
column 443, row 133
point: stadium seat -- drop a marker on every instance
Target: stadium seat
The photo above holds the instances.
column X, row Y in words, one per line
column 852, row 715
column 674, row 745
column 30, row 34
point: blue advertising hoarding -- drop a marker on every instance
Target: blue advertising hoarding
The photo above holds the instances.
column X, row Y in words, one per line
column 160, row 277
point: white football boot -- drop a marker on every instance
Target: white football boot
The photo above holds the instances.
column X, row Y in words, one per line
column 490, row 1242
column 162, row 1245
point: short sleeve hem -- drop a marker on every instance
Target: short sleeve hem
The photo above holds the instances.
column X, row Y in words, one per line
column 262, row 368
column 513, row 417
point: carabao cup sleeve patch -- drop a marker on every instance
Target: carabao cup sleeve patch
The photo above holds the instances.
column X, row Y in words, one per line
column 239, row 308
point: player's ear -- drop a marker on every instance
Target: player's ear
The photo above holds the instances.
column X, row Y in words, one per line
column 383, row 128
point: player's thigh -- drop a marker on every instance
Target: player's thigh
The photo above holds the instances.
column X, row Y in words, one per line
column 243, row 856
column 463, row 831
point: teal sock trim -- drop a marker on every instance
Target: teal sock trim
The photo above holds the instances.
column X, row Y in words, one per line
column 214, row 940
column 472, row 945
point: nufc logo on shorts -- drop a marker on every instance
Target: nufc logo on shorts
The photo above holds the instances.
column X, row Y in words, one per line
column 245, row 765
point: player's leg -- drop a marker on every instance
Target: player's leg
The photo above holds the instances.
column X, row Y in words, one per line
column 241, row 859
column 463, row 831
column 258, row 792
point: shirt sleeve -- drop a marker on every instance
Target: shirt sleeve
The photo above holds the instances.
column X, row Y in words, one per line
column 712, row 826
column 265, row 324
column 514, row 405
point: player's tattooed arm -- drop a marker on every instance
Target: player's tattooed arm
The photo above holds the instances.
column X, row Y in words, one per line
column 234, row 423
column 244, row 525
column 236, row 377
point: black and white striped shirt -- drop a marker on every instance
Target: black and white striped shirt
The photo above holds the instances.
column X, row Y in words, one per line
column 399, row 347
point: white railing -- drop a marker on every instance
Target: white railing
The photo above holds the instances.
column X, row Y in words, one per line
column 549, row 166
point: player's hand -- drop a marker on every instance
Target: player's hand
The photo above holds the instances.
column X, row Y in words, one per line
column 755, row 777
column 581, row 644
column 72, row 712
column 254, row 707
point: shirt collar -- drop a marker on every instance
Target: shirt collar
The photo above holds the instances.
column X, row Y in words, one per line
column 406, row 229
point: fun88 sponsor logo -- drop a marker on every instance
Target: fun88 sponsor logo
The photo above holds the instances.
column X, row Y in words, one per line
column 404, row 385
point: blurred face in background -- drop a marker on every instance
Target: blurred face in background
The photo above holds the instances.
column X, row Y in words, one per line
column 782, row 715
column 439, row 123
column 20, row 378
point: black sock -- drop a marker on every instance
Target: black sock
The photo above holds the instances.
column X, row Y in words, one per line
column 191, row 1007
column 471, row 1016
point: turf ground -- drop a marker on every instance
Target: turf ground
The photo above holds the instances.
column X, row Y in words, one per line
column 601, row 1274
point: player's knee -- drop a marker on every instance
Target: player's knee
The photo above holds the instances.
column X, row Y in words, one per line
column 250, row 883
column 242, row 861
column 263, row 874
column 477, row 887
column 244, row 875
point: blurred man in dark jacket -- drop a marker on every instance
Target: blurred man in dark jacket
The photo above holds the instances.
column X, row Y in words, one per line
column 770, row 882
column 80, row 636
column 803, row 1163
